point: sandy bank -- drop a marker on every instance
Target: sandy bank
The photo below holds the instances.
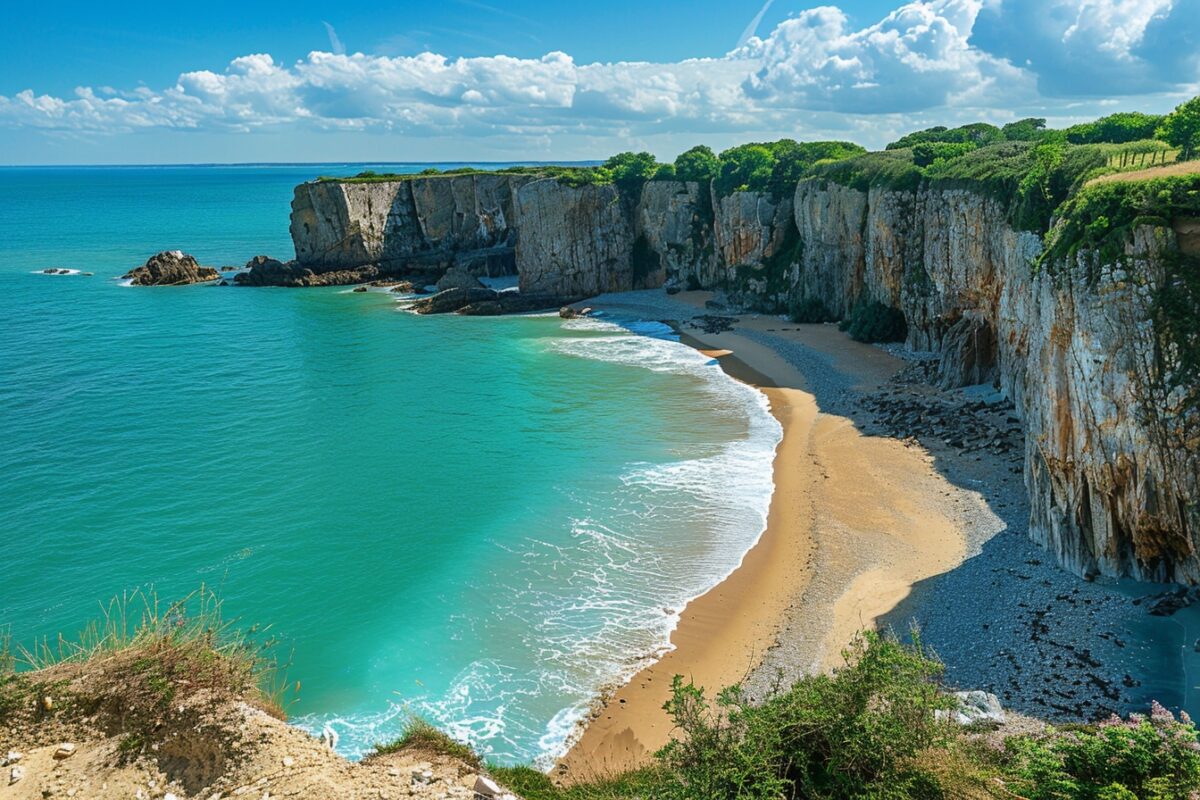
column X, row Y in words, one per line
column 870, row 514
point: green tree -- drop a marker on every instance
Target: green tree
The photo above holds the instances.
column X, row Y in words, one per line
column 927, row 153
column 630, row 170
column 698, row 164
column 747, row 167
column 977, row 133
column 1119, row 128
column 1181, row 128
column 1030, row 129
column 794, row 159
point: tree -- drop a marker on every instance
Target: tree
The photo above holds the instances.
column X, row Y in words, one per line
column 630, row 170
column 1181, row 128
column 1029, row 129
column 794, row 159
column 747, row 167
column 977, row 133
column 1119, row 128
column 698, row 164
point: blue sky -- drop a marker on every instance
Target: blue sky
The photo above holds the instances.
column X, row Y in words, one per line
column 528, row 79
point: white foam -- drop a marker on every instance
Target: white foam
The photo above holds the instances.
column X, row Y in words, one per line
column 600, row 607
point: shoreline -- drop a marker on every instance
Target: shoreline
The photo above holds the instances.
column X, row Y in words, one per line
column 726, row 635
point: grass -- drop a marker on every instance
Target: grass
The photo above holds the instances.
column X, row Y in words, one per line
column 143, row 657
column 420, row 735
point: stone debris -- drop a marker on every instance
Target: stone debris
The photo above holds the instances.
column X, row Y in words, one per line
column 65, row 750
column 712, row 323
column 288, row 761
column 486, row 788
column 12, row 758
column 975, row 707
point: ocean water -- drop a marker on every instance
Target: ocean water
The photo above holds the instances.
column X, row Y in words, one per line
column 481, row 521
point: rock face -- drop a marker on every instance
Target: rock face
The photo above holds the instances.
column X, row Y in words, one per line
column 463, row 220
column 1112, row 492
column 170, row 268
column 574, row 241
column 1113, row 484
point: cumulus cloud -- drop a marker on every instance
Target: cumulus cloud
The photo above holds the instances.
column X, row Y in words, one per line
column 945, row 59
column 1095, row 47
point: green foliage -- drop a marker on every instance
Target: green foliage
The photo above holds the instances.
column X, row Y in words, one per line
column 978, row 134
column 872, row 321
column 420, row 735
column 530, row 784
column 840, row 736
column 927, row 153
column 1101, row 214
column 630, row 171
column 811, row 310
column 747, row 167
column 1155, row 758
column 1181, row 128
column 793, row 160
column 889, row 169
column 1124, row 126
column 1030, row 129
column 698, row 164
column 665, row 172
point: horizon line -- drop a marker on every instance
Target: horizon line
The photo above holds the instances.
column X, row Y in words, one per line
column 553, row 162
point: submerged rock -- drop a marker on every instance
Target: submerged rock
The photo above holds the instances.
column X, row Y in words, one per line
column 452, row 300
column 171, row 268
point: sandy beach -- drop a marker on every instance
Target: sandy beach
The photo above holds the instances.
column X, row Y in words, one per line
column 873, row 512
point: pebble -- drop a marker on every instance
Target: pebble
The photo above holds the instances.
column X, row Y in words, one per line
column 12, row 758
column 65, row 750
column 486, row 787
column 15, row 774
column 288, row 761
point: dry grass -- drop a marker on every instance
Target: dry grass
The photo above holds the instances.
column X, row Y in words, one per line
column 137, row 660
column 1168, row 171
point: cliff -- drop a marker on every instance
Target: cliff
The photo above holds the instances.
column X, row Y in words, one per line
column 1073, row 340
column 402, row 225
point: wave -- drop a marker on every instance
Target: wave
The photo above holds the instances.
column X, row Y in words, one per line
column 590, row 610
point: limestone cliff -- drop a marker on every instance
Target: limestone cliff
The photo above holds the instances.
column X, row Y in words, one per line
column 1112, row 479
column 442, row 221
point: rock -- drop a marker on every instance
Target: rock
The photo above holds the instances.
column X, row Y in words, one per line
column 452, row 300
column 511, row 303
column 969, row 351
column 458, row 279
column 12, row 758
column 15, row 774
column 288, row 761
column 486, row 788
column 47, row 703
column 170, row 268
column 65, row 750
column 975, row 707
column 567, row 312
column 360, row 288
column 329, row 737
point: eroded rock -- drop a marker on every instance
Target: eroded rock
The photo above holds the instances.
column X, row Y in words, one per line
column 170, row 268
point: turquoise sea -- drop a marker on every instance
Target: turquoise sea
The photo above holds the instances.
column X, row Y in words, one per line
column 481, row 521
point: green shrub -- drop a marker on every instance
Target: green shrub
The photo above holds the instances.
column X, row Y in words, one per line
column 928, row 153
column 1181, row 128
column 977, row 133
column 698, row 164
column 1156, row 758
column 872, row 321
column 847, row 735
column 811, row 310
column 1124, row 126
column 419, row 734
column 889, row 169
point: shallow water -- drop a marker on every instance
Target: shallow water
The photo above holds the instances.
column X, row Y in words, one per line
column 478, row 520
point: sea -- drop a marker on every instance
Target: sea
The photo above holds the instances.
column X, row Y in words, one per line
column 479, row 521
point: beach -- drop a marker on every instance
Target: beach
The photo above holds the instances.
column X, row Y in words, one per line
column 867, row 528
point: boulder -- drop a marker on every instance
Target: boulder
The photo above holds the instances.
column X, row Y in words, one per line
column 452, row 300
column 170, row 268
column 266, row 271
column 458, row 279
column 512, row 303
column 975, row 707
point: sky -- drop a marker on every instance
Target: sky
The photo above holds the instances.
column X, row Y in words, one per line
column 500, row 80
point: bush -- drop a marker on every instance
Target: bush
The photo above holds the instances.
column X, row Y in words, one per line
column 1124, row 126
column 1155, row 757
column 978, row 134
column 852, row 734
column 811, row 310
column 698, row 164
column 928, row 153
column 629, row 171
column 875, row 322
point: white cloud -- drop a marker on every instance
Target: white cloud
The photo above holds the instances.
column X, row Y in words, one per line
column 335, row 44
column 927, row 62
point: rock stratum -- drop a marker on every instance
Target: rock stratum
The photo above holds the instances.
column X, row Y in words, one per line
column 1111, row 473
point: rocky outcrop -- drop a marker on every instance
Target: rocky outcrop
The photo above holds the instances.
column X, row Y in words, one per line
column 1110, row 492
column 266, row 271
column 574, row 241
column 417, row 223
column 170, row 268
